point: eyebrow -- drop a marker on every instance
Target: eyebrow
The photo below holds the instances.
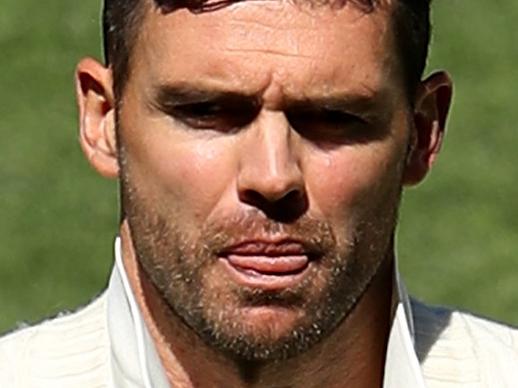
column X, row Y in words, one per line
column 346, row 102
column 181, row 94
column 171, row 95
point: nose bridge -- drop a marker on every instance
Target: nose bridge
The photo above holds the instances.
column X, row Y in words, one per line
column 276, row 148
column 270, row 161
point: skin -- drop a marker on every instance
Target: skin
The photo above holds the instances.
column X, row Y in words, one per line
column 193, row 185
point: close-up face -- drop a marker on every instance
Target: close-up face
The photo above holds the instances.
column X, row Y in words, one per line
column 262, row 150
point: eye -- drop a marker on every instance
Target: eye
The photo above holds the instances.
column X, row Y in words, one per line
column 222, row 116
column 327, row 125
column 203, row 115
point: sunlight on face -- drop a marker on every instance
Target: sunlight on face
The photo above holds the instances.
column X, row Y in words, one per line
column 262, row 148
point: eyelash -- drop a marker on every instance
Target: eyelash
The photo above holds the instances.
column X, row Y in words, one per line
column 327, row 125
column 199, row 111
column 213, row 116
column 328, row 116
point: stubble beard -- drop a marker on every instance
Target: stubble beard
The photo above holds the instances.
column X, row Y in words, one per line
column 182, row 268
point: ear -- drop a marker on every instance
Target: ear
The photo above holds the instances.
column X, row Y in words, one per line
column 431, row 108
column 96, row 104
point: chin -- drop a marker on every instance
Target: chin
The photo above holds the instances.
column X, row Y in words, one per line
column 271, row 323
column 267, row 333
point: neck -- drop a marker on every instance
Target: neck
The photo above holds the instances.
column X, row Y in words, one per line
column 353, row 355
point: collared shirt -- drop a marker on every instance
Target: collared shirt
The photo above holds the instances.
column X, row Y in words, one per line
column 106, row 344
column 136, row 362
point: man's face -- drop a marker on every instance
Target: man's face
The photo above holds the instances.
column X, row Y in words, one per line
column 262, row 148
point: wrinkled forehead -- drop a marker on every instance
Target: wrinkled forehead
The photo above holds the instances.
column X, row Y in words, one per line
column 309, row 43
column 197, row 17
column 200, row 5
column 343, row 11
column 206, row 5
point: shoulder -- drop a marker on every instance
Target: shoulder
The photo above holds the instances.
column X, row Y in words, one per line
column 68, row 351
column 457, row 347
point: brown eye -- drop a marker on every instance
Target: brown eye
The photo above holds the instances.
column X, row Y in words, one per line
column 203, row 115
column 327, row 125
column 222, row 116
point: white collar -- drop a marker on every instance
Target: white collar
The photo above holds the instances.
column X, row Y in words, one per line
column 402, row 368
column 135, row 362
column 134, row 359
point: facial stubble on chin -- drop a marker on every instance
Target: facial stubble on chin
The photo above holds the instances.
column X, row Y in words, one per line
column 182, row 268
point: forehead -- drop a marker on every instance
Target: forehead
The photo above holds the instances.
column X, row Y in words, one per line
column 252, row 44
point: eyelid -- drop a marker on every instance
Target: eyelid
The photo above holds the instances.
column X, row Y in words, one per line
column 223, row 115
column 325, row 112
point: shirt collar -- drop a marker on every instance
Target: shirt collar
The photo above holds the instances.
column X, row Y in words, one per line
column 134, row 359
column 136, row 364
column 402, row 368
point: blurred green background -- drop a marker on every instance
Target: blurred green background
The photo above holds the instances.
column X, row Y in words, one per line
column 457, row 241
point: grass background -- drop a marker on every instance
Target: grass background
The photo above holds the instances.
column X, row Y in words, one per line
column 457, row 241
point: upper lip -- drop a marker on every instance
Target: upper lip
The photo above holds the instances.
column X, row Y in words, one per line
column 271, row 248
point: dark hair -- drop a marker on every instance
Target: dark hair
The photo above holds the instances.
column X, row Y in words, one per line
column 120, row 24
column 122, row 17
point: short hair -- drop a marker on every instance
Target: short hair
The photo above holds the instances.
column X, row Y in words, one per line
column 121, row 20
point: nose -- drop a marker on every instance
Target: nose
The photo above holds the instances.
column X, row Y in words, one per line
column 270, row 176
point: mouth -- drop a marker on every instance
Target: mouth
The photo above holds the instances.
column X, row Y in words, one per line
column 268, row 265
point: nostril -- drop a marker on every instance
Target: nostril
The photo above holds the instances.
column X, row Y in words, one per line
column 285, row 209
column 293, row 196
column 290, row 207
column 252, row 197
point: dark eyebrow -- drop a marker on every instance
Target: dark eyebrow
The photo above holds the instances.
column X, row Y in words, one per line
column 175, row 95
column 168, row 96
column 345, row 102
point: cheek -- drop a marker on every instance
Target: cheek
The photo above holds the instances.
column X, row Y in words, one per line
column 181, row 178
column 348, row 181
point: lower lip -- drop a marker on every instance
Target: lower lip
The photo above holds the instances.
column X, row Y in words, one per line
column 250, row 277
